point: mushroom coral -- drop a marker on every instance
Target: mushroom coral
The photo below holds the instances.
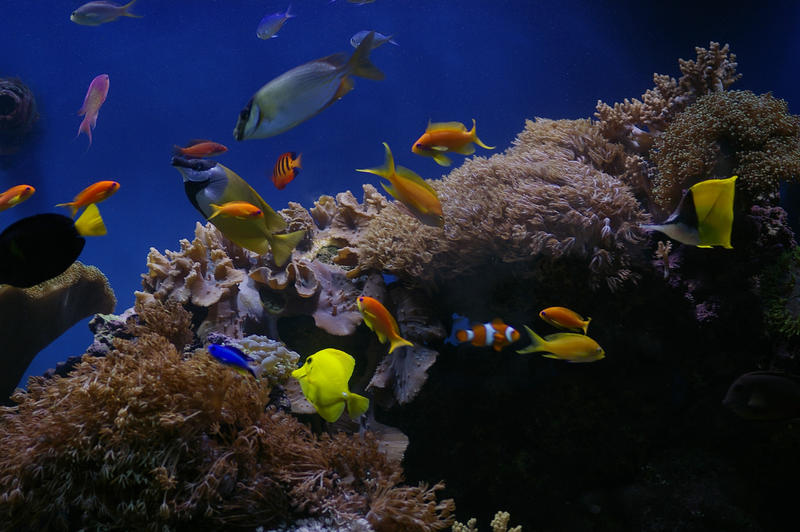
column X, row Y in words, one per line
column 549, row 195
column 729, row 133
column 147, row 438
column 33, row 317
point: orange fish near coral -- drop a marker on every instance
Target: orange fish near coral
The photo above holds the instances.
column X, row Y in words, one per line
column 411, row 190
column 95, row 96
column 286, row 169
column 15, row 196
column 200, row 148
column 236, row 209
column 381, row 321
column 94, row 193
column 495, row 333
column 442, row 137
column 564, row 318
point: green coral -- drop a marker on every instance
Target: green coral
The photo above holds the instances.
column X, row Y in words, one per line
column 729, row 133
column 781, row 293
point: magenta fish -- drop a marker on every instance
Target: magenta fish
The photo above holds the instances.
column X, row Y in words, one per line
column 95, row 96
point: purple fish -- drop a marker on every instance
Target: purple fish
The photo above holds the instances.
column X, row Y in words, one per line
column 95, row 96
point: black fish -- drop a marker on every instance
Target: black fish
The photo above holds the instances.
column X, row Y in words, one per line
column 40, row 247
column 765, row 395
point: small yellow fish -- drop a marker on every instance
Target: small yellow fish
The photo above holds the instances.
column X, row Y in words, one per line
column 564, row 318
column 409, row 189
column 571, row 347
column 323, row 378
column 241, row 210
column 442, row 137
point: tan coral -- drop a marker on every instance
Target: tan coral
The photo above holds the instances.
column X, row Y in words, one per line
column 543, row 197
column 34, row 317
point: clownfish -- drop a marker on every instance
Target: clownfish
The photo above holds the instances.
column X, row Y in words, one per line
column 495, row 333
column 286, row 169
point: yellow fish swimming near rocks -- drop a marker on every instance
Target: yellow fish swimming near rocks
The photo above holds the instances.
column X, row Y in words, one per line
column 572, row 347
column 323, row 378
column 302, row 92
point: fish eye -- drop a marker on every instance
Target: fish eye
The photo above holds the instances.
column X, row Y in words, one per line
column 308, row 360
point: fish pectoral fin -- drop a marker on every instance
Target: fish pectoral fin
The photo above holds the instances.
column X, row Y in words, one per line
column 438, row 148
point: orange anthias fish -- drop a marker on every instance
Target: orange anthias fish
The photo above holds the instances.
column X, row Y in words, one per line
column 200, row 148
column 286, row 169
column 495, row 333
column 564, row 318
column 381, row 321
column 442, row 137
column 95, row 96
column 15, row 196
column 411, row 190
column 94, row 193
column 236, row 209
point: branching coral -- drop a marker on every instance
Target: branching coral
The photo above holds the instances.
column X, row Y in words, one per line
column 499, row 524
column 34, row 317
column 547, row 196
column 634, row 123
column 144, row 438
column 724, row 134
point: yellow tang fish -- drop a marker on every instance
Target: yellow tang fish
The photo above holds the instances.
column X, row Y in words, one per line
column 302, row 92
column 410, row 189
column 571, row 347
column 323, row 378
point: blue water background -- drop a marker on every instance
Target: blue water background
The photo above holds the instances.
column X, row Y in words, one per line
column 188, row 67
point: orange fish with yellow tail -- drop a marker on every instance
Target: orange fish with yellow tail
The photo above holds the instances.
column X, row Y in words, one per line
column 15, row 195
column 410, row 189
column 495, row 333
column 94, row 193
column 381, row 321
column 441, row 137
column 564, row 318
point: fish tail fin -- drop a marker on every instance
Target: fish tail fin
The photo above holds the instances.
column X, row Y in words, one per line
column 537, row 343
column 215, row 210
column 298, row 162
column 288, row 13
column 283, row 245
column 397, row 341
column 460, row 323
column 356, row 405
column 388, row 165
column 72, row 207
column 359, row 63
column 85, row 127
column 125, row 9
column 90, row 223
column 476, row 140
column 586, row 325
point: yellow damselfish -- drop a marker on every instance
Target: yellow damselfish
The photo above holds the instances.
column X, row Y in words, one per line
column 571, row 347
column 323, row 378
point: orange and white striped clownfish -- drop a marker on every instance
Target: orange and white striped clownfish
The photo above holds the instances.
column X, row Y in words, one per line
column 495, row 333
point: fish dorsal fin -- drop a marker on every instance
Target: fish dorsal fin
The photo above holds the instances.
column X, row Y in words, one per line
column 497, row 321
column 346, row 362
column 409, row 175
column 449, row 126
column 337, row 60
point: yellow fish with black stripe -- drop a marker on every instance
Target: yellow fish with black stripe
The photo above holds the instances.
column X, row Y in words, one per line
column 208, row 183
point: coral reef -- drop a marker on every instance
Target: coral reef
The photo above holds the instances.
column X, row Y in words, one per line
column 549, row 197
column 724, row 134
column 17, row 114
column 781, row 294
column 147, row 438
column 34, row 317
column 635, row 123
column 499, row 524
